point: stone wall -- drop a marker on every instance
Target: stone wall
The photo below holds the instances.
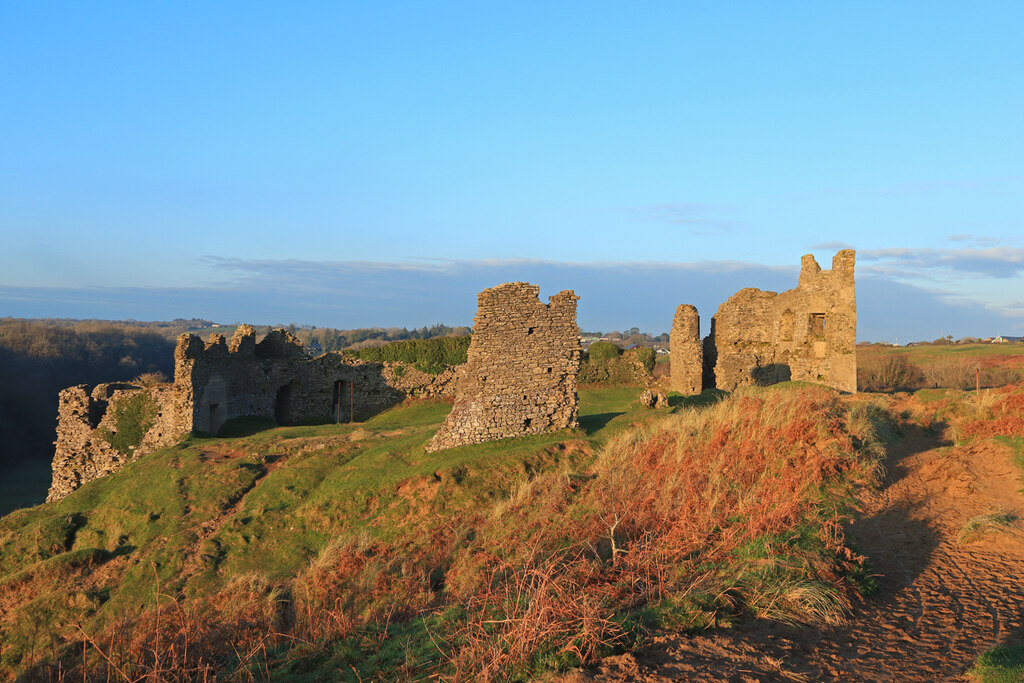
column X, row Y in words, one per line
column 686, row 352
column 808, row 333
column 86, row 420
column 216, row 381
column 520, row 377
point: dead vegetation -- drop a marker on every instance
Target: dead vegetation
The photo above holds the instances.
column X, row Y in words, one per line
column 690, row 521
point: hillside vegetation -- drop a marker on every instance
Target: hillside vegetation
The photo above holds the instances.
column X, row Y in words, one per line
column 961, row 366
column 346, row 551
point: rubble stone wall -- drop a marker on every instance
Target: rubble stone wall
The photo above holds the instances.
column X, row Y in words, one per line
column 686, row 352
column 520, row 377
column 808, row 333
column 216, row 381
column 86, row 420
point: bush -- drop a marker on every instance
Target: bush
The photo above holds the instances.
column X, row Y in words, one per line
column 426, row 355
column 888, row 373
column 603, row 364
column 602, row 351
column 644, row 357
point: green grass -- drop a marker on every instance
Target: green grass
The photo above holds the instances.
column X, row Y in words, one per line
column 275, row 495
column 990, row 522
column 1003, row 664
column 266, row 504
column 924, row 355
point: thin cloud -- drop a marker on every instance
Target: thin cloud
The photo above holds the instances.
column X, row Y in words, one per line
column 977, row 240
column 613, row 295
column 832, row 245
column 700, row 218
column 996, row 262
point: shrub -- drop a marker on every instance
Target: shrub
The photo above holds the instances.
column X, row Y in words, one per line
column 602, row 351
column 605, row 364
column 888, row 373
column 426, row 355
column 954, row 374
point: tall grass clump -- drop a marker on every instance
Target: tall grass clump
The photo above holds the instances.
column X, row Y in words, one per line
column 996, row 413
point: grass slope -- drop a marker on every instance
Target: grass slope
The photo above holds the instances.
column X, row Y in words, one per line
column 345, row 550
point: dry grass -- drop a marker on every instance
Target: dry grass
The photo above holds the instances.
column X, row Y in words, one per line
column 995, row 521
column 703, row 514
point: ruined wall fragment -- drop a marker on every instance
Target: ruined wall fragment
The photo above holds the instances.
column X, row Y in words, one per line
column 808, row 333
column 520, row 377
column 686, row 351
column 216, row 381
column 86, row 421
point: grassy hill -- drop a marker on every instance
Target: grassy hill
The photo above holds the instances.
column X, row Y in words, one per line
column 319, row 552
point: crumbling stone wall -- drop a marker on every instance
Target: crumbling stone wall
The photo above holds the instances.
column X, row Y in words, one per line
column 274, row 379
column 86, row 420
column 520, row 377
column 686, row 351
column 216, row 381
column 808, row 333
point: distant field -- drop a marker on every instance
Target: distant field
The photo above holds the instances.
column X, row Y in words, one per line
column 1009, row 354
column 888, row 368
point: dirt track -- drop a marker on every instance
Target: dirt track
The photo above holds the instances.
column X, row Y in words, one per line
column 941, row 600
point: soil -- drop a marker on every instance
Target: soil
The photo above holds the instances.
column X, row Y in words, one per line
column 943, row 599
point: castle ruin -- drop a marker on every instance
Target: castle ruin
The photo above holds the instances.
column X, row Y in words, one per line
column 217, row 381
column 808, row 333
column 686, row 351
column 520, row 377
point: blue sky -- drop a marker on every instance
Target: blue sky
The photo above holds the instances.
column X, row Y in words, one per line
column 351, row 164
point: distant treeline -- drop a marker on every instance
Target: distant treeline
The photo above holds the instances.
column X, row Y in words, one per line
column 39, row 358
column 323, row 339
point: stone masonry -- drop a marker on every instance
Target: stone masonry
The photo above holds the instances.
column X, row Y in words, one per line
column 216, row 381
column 686, row 351
column 808, row 333
column 520, row 377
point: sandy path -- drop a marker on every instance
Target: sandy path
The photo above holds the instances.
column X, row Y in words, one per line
column 941, row 601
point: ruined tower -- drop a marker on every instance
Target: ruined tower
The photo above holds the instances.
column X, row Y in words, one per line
column 520, row 377
column 808, row 333
column 686, row 351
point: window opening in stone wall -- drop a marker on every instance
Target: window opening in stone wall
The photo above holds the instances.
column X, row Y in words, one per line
column 817, row 325
column 786, row 325
column 283, row 404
